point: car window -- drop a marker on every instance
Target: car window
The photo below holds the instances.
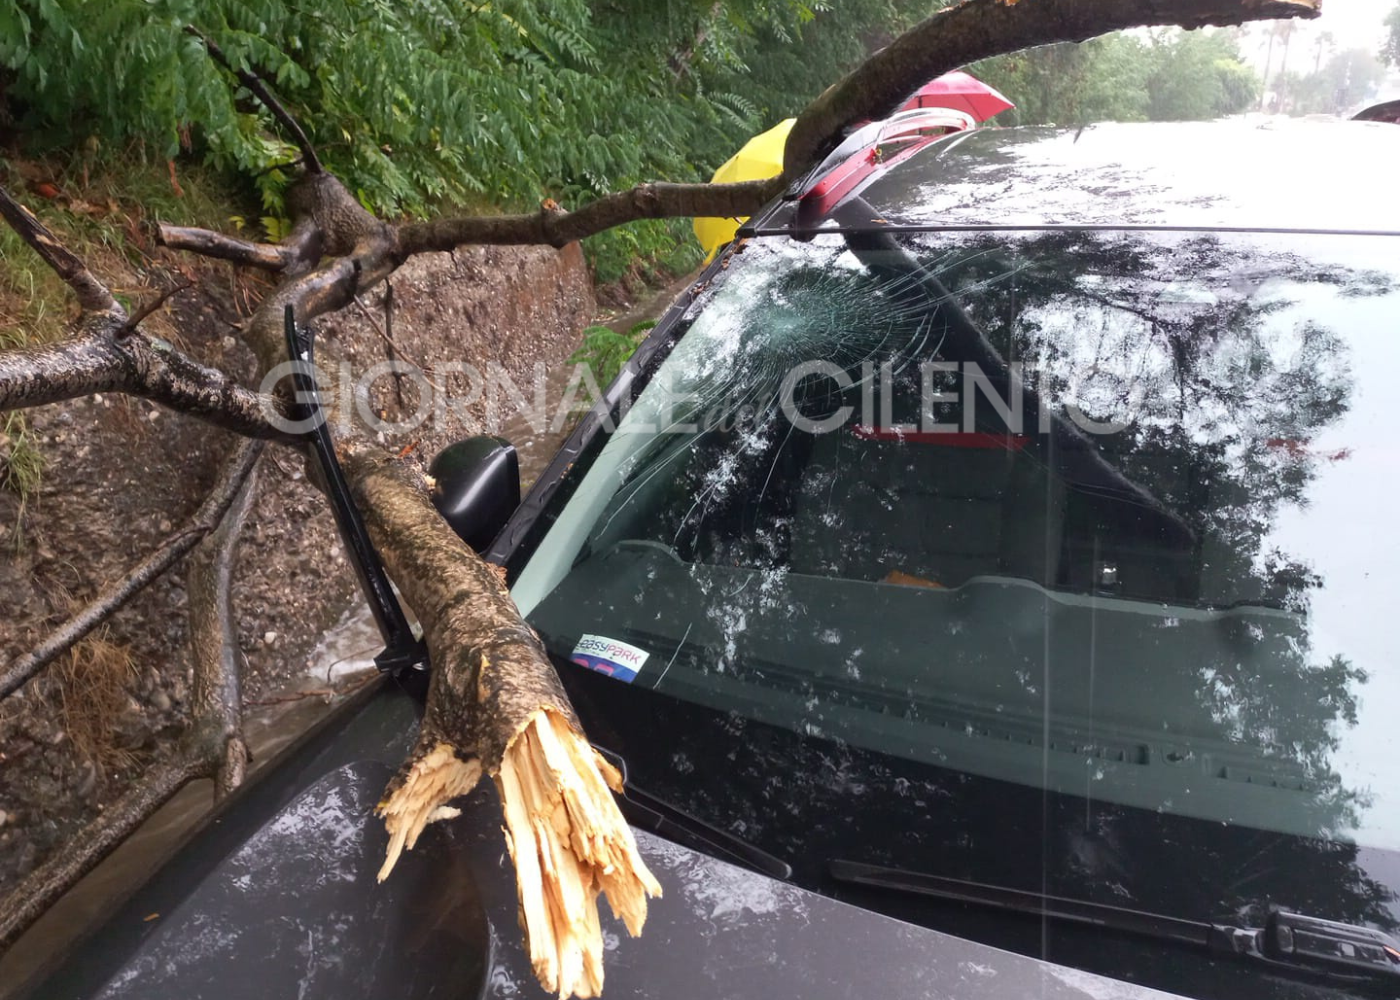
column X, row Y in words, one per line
column 1094, row 513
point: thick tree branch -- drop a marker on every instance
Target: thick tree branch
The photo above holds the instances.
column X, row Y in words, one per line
column 207, row 243
column 108, row 355
column 255, row 84
column 496, row 705
column 979, row 29
column 237, row 469
column 555, row 227
column 92, row 295
column 216, row 694
column 102, row 360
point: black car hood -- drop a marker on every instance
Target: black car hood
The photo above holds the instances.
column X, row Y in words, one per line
column 278, row 897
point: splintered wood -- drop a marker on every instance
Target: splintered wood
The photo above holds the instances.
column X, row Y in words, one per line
column 569, row 843
column 438, row 778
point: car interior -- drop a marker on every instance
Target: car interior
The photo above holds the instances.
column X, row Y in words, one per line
column 1033, row 558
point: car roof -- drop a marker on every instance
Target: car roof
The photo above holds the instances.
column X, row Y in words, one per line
column 1280, row 174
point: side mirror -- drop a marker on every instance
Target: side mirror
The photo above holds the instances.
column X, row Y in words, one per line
column 478, row 487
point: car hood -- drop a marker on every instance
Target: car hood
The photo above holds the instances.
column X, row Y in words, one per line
column 278, row 895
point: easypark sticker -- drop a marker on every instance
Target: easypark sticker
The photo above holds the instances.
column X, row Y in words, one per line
column 617, row 659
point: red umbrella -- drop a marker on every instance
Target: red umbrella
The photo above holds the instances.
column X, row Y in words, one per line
column 961, row 92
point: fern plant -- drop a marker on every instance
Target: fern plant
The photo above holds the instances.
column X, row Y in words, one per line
column 435, row 102
column 605, row 351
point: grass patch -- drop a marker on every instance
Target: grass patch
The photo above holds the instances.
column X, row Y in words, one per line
column 21, row 466
column 97, row 206
column 89, row 690
column 32, row 297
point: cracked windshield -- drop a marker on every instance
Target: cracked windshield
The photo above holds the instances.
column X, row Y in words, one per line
column 1094, row 513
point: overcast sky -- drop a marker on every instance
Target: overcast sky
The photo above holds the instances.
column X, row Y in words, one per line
column 1355, row 23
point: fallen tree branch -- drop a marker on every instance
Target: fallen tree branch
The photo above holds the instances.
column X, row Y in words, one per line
column 106, row 359
column 108, row 354
column 27, row 902
column 92, row 295
column 212, row 745
column 553, row 226
column 216, row 696
column 980, row 29
column 207, row 243
column 496, row 706
column 237, row 468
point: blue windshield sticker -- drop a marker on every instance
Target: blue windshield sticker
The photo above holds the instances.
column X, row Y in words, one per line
column 609, row 656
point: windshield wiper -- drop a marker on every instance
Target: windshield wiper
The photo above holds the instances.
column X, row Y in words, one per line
column 647, row 811
column 1289, row 944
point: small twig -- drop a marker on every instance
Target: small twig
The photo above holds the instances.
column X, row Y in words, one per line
column 394, row 353
column 160, row 300
column 255, row 84
column 359, row 654
column 93, row 296
column 327, row 693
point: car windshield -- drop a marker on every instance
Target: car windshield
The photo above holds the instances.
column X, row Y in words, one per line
column 928, row 528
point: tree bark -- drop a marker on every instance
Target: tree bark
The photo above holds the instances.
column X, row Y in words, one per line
column 216, row 703
column 496, row 705
column 106, row 357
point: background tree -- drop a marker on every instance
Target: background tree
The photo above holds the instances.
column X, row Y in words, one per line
column 1170, row 75
column 495, row 705
column 1341, row 84
column 1390, row 47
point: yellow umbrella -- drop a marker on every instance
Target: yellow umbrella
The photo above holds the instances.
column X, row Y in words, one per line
column 761, row 157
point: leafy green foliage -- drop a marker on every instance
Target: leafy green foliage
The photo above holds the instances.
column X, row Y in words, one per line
column 605, row 351
column 1339, row 86
column 435, row 102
